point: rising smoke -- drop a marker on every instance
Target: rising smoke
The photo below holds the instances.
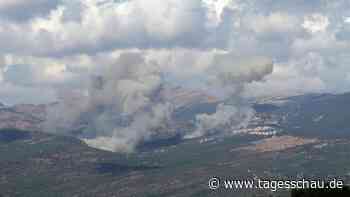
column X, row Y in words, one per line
column 120, row 108
column 228, row 75
column 123, row 105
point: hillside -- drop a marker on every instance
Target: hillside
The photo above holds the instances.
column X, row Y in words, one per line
column 322, row 115
column 35, row 164
column 44, row 165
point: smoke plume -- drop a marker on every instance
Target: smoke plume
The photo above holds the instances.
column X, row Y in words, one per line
column 228, row 75
column 123, row 105
column 120, row 108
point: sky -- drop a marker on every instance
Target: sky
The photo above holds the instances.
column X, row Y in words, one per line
column 50, row 46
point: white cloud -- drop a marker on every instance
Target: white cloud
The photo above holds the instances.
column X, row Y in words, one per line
column 60, row 42
column 347, row 19
column 222, row 47
column 31, row 71
column 316, row 23
column 310, row 73
column 109, row 25
column 276, row 22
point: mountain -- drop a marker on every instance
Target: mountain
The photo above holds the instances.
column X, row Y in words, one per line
column 26, row 117
column 321, row 115
column 30, row 117
column 287, row 139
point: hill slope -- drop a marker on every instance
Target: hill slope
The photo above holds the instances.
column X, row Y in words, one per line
column 44, row 165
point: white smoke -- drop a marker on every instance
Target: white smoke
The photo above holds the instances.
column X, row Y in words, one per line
column 120, row 108
column 228, row 75
column 123, row 105
column 124, row 139
column 226, row 117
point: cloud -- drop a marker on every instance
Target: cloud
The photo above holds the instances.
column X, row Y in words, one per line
column 276, row 22
column 91, row 26
column 315, row 23
column 86, row 34
column 310, row 73
column 31, row 71
column 221, row 47
column 23, row 10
